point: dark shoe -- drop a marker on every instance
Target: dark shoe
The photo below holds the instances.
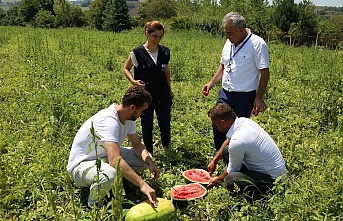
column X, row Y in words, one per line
column 84, row 196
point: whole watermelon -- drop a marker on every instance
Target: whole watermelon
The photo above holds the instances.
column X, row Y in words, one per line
column 144, row 211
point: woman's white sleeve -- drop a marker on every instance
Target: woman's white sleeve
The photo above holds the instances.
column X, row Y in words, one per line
column 134, row 59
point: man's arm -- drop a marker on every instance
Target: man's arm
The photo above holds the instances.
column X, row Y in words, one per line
column 213, row 164
column 216, row 77
column 113, row 152
column 141, row 152
column 259, row 104
column 215, row 180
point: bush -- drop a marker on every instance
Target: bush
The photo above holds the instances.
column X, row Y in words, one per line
column 212, row 26
column 44, row 19
column 181, row 23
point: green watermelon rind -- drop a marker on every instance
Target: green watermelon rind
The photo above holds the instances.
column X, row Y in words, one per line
column 165, row 211
column 193, row 198
column 194, row 181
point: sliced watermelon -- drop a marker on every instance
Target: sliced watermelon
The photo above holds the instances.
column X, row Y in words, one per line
column 188, row 192
column 197, row 176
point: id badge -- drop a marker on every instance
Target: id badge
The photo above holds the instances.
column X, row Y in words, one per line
column 164, row 66
column 228, row 67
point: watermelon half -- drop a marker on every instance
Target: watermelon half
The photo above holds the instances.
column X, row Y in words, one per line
column 188, row 192
column 197, row 176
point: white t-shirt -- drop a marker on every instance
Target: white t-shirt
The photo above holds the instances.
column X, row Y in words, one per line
column 252, row 146
column 108, row 127
column 153, row 56
column 242, row 72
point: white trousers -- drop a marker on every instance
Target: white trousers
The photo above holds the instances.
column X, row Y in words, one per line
column 84, row 174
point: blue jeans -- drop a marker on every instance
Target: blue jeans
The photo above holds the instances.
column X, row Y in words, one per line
column 242, row 104
column 162, row 109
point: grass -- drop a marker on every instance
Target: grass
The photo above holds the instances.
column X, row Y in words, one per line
column 53, row 80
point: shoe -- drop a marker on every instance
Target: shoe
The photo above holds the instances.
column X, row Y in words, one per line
column 84, row 193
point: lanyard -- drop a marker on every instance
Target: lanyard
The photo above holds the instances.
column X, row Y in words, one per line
column 231, row 51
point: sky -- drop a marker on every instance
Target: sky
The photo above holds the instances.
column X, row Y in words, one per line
column 335, row 3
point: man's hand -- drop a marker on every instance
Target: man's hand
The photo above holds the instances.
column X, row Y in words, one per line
column 211, row 167
column 154, row 172
column 260, row 105
column 150, row 193
column 214, row 181
column 206, row 89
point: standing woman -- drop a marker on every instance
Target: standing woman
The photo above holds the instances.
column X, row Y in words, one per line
column 150, row 61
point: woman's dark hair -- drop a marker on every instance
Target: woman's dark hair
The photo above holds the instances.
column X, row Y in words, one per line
column 137, row 96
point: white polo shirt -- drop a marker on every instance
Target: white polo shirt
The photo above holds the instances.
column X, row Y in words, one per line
column 252, row 146
column 242, row 72
column 108, row 127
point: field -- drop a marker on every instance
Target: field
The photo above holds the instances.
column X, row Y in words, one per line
column 53, row 80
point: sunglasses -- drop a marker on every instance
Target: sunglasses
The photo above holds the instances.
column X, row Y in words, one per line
column 214, row 126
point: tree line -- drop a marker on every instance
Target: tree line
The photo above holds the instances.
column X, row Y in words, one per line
column 283, row 21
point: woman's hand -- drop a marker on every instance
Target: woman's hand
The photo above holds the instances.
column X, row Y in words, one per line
column 139, row 83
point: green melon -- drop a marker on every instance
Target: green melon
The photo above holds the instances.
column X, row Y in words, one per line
column 144, row 211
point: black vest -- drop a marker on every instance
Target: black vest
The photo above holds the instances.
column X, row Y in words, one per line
column 152, row 74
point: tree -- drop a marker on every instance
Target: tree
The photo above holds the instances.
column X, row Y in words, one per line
column 62, row 12
column 330, row 31
column 157, row 9
column 186, row 8
column 11, row 18
column 258, row 17
column 95, row 13
column 77, row 17
column 29, row 8
column 308, row 20
column 2, row 14
column 285, row 13
column 44, row 19
column 116, row 16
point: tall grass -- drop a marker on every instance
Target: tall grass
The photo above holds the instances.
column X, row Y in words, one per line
column 53, row 80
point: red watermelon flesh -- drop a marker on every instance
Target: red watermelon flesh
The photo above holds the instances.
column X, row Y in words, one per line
column 188, row 192
column 197, row 176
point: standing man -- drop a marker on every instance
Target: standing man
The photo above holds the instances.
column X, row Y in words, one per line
column 111, row 126
column 253, row 160
column 244, row 57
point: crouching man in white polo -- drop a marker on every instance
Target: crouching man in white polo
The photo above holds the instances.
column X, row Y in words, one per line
column 252, row 158
column 111, row 126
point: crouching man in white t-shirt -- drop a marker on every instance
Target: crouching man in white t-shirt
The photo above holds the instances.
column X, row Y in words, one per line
column 111, row 126
column 253, row 160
